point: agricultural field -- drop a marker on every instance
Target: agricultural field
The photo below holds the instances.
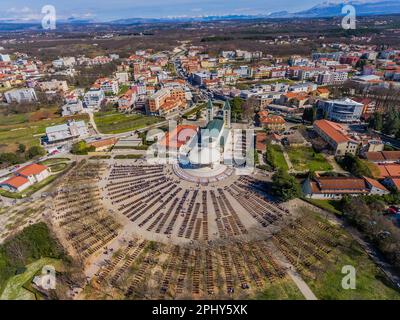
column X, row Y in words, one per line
column 113, row 123
column 306, row 159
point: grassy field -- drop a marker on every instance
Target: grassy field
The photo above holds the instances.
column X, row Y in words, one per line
column 326, row 280
column 304, row 158
column 52, row 161
column 370, row 282
column 284, row 289
column 58, row 167
column 194, row 111
column 329, row 205
column 114, row 123
column 275, row 157
column 25, row 129
column 16, row 287
column 31, row 244
column 100, row 157
column 128, row 156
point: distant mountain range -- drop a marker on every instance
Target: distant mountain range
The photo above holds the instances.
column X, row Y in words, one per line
column 334, row 9
column 325, row 10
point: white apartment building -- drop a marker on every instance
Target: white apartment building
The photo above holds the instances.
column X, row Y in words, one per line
column 94, row 97
column 110, row 86
column 5, row 58
column 122, row 77
column 21, row 95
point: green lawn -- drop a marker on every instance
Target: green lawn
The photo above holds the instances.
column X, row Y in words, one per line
column 194, row 111
column 305, row 158
column 284, row 289
column 17, row 129
column 114, row 123
column 58, row 167
column 21, row 250
column 100, row 157
column 329, row 205
column 370, row 283
column 128, row 156
column 51, row 161
column 275, row 157
column 326, row 281
column 15, row 288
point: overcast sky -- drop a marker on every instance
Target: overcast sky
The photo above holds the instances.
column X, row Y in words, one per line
column 117, row 9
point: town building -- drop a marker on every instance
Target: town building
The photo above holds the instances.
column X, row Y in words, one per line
column 127, row 100
column 383, row 157
column 165, row 101
column 94, row 97
column 103, row 145
column 72, row 108
column 325, row 188
column 273, row 122
column 336, row 136
column 53, row 85
column 27, row 95
column 344, row 110
column 25, row 177
column 68, row 131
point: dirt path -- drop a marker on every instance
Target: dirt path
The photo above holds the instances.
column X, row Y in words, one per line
column 93, row 123
column 303, row 287
column 293, row 274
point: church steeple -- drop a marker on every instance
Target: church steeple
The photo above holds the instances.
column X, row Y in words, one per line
column 227, row 114
column 210, row 111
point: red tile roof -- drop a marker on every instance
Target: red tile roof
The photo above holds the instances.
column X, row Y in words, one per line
column 390, row 170
column 103, row 143
column 16, row 181
column 273, row 120
column 396, row 182
column 391, row 155
column 179, row 136
column 375, row 183
column 334, row 130
column 323, row 90
column 261, row 141
column 375, row 156
column 334, row 185
column 32, row 169
column 383, row 156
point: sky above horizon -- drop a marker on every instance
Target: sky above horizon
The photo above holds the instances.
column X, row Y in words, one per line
column 105, row 10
